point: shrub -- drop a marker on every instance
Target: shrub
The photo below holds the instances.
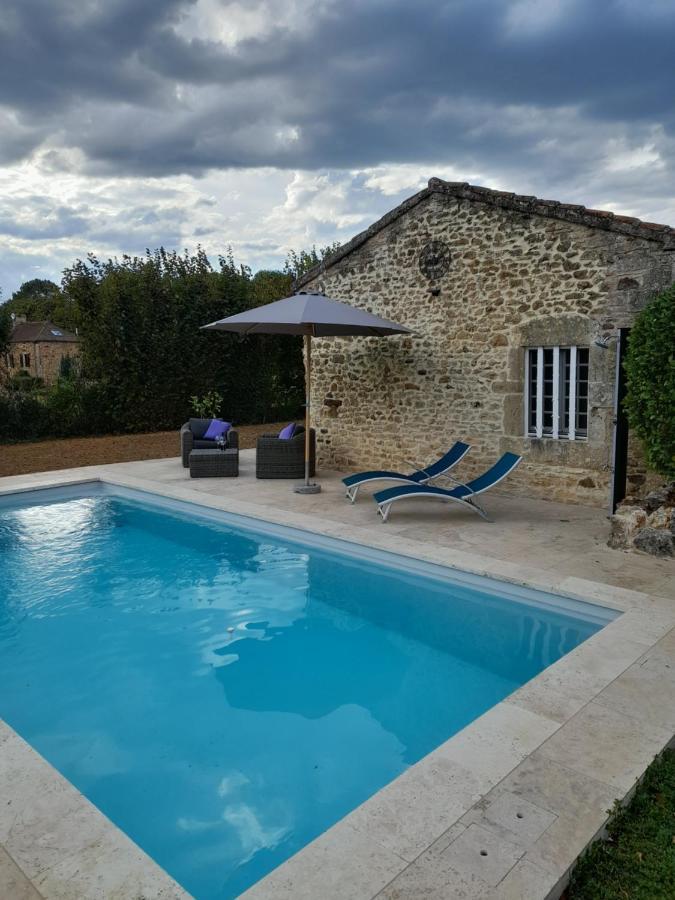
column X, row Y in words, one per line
column 24, row 381
column 67, row 408
column 23, row 417
column 208, row 406
column 650, row 374
column 63, row 408
column 68, row 366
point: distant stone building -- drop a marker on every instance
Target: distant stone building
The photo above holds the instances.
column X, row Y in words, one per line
column 38, row 349
column 518, row 308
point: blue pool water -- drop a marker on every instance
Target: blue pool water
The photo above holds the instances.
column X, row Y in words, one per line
column 225, row 695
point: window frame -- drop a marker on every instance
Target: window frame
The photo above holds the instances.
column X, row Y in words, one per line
column 24, row 360
column 563, row 398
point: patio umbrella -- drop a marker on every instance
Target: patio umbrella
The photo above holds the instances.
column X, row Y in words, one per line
column 311, row 315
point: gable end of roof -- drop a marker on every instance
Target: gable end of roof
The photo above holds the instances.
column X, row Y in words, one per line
column 522, row 203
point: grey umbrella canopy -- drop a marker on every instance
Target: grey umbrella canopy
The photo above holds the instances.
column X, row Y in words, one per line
column 311, row 315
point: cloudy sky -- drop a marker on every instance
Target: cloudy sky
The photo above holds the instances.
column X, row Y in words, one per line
column 270, row 124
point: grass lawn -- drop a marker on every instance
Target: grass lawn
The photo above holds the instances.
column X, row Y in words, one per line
column 66, row 453
column 637, row 861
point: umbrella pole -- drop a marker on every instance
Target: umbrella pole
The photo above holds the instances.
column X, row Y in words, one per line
column 308, row 488
column 308, row 398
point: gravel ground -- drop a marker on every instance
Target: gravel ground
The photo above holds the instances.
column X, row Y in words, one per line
column 66, row 453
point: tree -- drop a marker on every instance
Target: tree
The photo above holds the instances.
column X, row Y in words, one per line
column 5, row 330
column 299, row 262
column 41, row 300
column 650, row 374
column 5, row 333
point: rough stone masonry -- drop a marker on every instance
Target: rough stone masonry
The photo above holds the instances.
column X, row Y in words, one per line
column 517, row 272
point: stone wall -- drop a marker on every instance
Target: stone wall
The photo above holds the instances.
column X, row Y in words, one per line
column 14, row 354
column 515, row 280
column 45, row 357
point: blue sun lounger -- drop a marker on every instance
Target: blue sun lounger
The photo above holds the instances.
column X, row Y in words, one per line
column 450, row 459
column 462, row 493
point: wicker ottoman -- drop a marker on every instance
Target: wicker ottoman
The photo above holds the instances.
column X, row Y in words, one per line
column 214, row 463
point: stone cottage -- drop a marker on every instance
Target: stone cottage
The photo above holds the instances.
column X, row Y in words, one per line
column 38, row 348
column 519, row 308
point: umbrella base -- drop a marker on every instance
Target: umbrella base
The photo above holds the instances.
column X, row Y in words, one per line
column 312, row 488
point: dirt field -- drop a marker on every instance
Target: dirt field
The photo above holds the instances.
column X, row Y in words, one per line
column 66, row 453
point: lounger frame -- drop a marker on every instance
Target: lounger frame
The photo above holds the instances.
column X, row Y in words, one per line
column 466, row 501
column 353, row 489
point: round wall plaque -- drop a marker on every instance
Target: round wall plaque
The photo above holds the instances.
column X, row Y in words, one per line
column 435, row 260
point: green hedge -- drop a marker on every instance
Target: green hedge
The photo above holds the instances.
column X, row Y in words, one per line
column 143, row 355
column 650, row 374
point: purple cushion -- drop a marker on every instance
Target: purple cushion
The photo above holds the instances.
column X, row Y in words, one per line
column 216, row 429
column 287, row 433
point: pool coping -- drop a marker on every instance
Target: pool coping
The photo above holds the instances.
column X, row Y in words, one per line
column 501, row 809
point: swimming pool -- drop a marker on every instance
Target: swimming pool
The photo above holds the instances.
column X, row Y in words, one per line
column 226, row 693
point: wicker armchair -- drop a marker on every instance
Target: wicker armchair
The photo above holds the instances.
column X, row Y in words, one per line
column 278, row 458
column 192, row 438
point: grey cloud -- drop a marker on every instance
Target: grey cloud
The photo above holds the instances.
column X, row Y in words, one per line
column 365, row 83
column 138, row 227
column 18, row 267
column 33, row 217
column 260, row 246
column 60, row 222
column 57, row 52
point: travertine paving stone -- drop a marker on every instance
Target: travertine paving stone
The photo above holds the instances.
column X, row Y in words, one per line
column 480, row 853
column 14, row 885
column 566, row 686
column 557, row 849
column 645, row 625
column 559, row 789
column 431, row 877
column 322, row 873
column 37, row 847
column 646, row 691
column 434, row 793
column 112, row 868
column 32, row 792
column 607, row 746
column 525, row 881
column 559, row 705
column 497, row 742
column 511, row 817
column 667, row 644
